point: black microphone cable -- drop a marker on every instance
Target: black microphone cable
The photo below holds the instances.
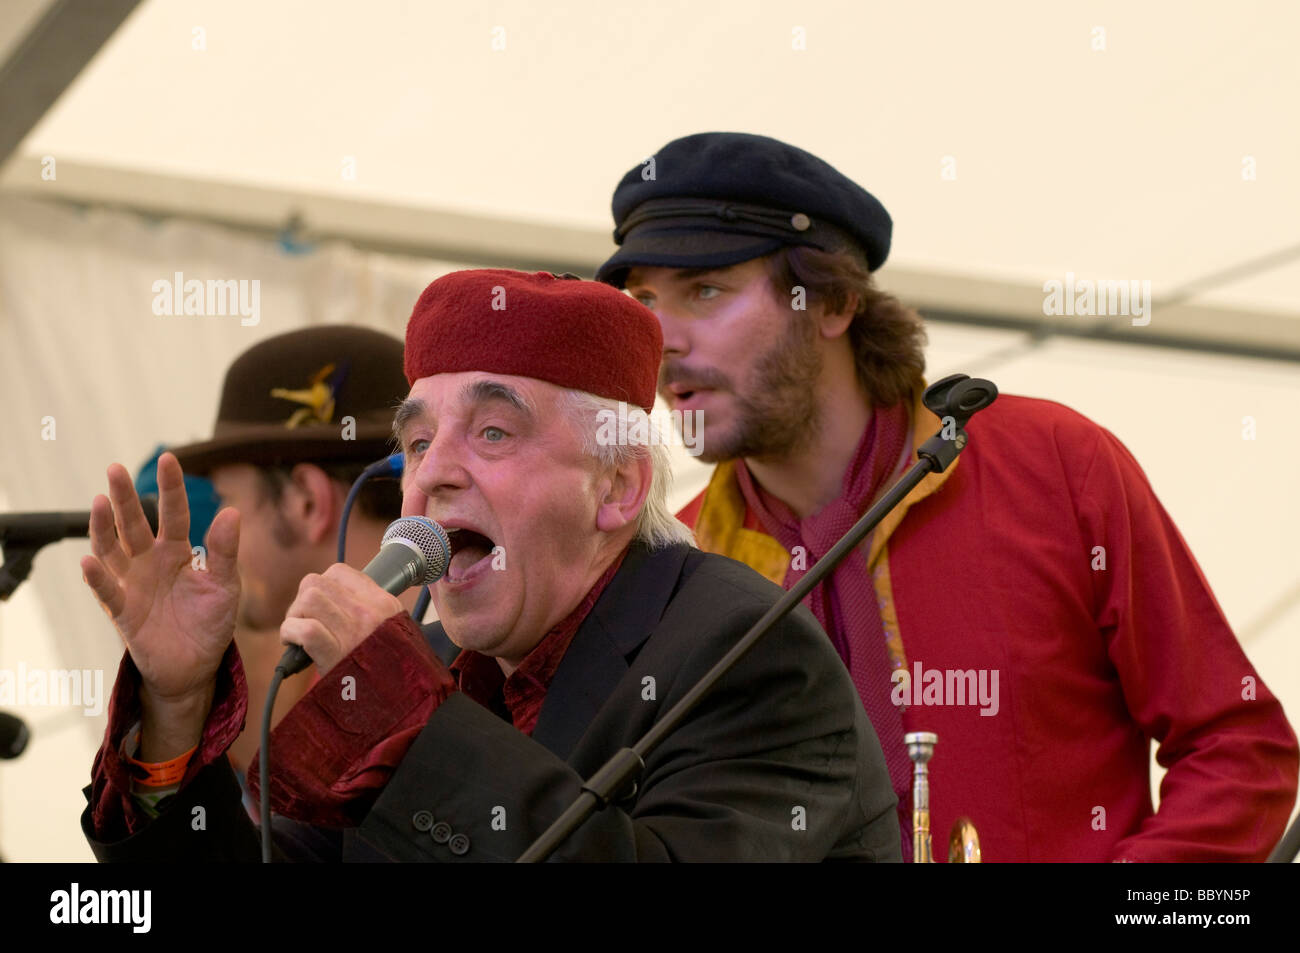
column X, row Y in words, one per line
column 389, row 466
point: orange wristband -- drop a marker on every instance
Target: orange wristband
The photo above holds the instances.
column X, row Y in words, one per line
column 161, row 774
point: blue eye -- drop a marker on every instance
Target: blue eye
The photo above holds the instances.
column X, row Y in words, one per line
column 416, row 447
column 488, row 431
column 704, row 288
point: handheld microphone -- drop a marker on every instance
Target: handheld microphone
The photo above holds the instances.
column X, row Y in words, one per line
column 37, row 529
column 414, row 551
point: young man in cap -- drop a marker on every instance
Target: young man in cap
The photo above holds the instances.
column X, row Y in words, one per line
column 301, row 414
column 583, row 615
column 1033, row 605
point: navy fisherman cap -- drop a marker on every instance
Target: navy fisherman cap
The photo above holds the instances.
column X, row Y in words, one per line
column 715, row 199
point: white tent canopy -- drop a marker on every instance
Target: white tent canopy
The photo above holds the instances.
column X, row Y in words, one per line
column 1012, row 145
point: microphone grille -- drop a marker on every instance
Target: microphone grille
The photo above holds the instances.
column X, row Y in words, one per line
column 429, row 538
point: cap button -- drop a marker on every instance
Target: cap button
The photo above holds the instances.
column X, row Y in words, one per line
column 800, row 221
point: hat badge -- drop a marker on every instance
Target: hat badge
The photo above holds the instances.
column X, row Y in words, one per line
column 317, row 397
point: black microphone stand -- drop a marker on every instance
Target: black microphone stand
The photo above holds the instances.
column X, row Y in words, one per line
column 26, row 534
column 954, row 399
column 23, row 535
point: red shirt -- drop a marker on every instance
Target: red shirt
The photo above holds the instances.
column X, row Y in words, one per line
column 1042, row 558
column 481, row 678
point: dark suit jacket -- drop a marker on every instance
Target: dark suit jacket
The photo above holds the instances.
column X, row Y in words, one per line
column 778, row 762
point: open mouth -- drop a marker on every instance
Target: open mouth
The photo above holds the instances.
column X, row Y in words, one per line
column 684, row 392
column 470, row 552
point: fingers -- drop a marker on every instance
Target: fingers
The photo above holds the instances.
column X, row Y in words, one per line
column 352, row 580
column 314, row 639
column 314, row 602
column 173, row 504
column 334, row 613
column 360, row 597
column 103, row 585
column 133, row 531
column 103, row 537
column 223, row 543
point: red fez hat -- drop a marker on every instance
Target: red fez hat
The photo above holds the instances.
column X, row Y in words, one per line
column 572, row 333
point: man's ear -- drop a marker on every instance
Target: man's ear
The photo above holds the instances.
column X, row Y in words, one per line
column 832, row 324
column 315, row 508
column 622, row 492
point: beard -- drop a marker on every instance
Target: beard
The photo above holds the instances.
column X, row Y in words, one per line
column 263, row 605
column 777, row 416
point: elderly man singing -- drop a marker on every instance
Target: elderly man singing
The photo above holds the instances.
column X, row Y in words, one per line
column 582, row 611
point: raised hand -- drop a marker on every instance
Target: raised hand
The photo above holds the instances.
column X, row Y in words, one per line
column 176, row 620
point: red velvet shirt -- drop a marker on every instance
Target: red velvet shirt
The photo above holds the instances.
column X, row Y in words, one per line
column 481, row 678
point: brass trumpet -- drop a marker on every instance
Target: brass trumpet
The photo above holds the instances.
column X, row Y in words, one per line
column 963, row 841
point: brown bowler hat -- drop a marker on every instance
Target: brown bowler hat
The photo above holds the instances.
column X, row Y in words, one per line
column 285, row 401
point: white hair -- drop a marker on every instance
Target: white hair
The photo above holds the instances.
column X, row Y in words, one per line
column 656, row 526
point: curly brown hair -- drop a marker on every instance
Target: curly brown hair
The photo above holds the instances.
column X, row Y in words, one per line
column 888, row 338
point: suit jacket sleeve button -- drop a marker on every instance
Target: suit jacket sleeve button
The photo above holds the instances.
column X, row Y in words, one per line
column 459, row 845
column 421, row 820
column 441, row 832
